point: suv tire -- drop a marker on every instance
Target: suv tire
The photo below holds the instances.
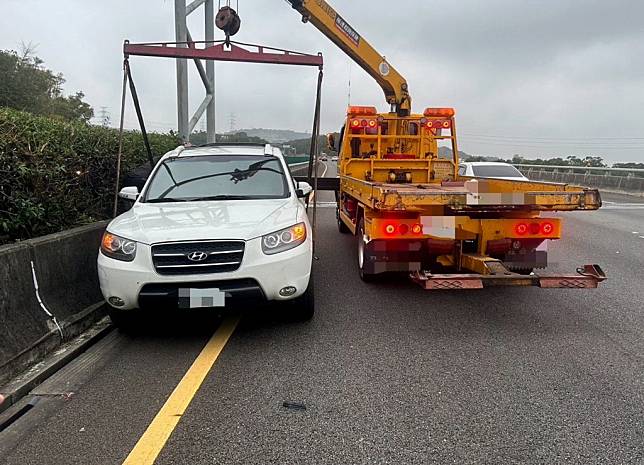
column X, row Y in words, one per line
column 303, row 307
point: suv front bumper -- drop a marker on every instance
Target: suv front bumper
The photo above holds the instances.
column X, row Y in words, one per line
column 260, row 277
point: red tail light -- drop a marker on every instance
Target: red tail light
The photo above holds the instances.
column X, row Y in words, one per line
column 521, row 229
column 390, row 229
column 403, row 229
column 439, row 112
column 355, row 123
column 364, row 123
column 534, row 228
column 547, row 228
column 417, row 229
column 362, row 111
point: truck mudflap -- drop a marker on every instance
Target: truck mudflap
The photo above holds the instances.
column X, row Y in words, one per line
column 587, row 277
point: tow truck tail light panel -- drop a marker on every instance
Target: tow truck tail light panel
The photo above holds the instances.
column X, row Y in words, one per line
column 536, row 227
column 396, row 229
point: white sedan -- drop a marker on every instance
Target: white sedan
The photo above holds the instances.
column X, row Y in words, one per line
column 488, row 169
column 212, row 227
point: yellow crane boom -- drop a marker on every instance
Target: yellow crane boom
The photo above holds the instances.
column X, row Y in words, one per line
column 340, row 32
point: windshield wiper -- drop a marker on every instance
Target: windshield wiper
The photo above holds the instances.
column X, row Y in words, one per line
column 166, row 200
column 220, row 197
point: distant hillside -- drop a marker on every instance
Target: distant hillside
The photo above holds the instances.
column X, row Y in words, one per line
column 275, row 136
column 446, row 152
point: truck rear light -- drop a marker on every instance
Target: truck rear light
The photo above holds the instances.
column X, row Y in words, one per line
column 390, row 229
column 355, row 123
column 373, row 123
column 547, row 228
column 417, row 229
column 534, row 228
column 521, row 229
column 439, row 112
column 403, row 229
column 364, row 123
column 362, row 111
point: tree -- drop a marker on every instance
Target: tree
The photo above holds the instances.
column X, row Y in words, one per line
column 28, row 86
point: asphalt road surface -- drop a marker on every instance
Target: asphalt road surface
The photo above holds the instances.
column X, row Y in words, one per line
column 387, row 373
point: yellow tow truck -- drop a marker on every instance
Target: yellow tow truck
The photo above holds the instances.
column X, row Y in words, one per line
column 403, row 198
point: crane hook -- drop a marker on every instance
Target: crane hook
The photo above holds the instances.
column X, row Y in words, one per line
column 228, row 21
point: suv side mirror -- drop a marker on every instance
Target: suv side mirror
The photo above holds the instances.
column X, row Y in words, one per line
column 304, row 189
column 129, row 193
column 330, row 138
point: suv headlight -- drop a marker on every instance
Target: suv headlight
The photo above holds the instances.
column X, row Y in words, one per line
column 117, row 247
column 283, row 240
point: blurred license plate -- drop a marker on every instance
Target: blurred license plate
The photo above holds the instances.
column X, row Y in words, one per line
column 201, row 298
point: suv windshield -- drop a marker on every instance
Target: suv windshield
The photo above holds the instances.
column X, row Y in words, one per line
column 218, row 177
column 496, row 171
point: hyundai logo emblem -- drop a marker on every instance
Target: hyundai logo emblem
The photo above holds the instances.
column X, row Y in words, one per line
column 197, row 256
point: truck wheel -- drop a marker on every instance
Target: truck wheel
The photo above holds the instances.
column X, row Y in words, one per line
column 125, row 320
column 341, row 226
column 303, row 308
column 362, row 247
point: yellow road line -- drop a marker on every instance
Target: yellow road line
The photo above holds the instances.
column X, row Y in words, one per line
column 151, row 443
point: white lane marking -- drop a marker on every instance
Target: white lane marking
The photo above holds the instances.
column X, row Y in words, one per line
column 327, row 204
column 326, row 168
column 624, row 206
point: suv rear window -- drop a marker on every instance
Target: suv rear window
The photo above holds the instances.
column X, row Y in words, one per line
column 218, row 177
column 496, row 171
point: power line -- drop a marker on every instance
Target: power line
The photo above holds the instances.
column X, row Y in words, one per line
column 531, row 145
column 496, row 136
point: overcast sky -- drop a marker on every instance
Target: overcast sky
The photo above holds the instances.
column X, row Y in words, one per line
column 535, row 77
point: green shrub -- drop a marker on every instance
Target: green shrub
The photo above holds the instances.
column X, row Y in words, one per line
column 56, row 175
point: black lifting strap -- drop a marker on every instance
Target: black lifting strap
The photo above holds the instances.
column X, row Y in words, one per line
column 139, row 114
column 313, row 157
column 127, row 77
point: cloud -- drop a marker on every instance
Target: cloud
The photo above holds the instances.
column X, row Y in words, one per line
column 533, row 77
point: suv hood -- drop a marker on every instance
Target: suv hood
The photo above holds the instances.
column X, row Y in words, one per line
column 192, row 221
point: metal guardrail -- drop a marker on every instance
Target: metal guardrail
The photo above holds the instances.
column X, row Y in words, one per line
column 587, row 169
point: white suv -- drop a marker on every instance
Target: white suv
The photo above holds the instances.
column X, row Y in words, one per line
column 213, row 226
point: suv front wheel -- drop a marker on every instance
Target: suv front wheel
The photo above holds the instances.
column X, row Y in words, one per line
column 303, row 307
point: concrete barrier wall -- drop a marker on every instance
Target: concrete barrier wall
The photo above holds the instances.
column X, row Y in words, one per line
column 622, row 184
column 65, row 267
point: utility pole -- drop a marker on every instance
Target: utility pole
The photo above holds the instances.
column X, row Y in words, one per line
column 233, row 122
column 186, row 124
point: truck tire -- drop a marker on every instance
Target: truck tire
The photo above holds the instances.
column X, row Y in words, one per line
column 366, row 277
column 341, row 226
column 302, row 308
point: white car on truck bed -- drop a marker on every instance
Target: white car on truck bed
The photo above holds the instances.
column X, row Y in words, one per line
column 491, row 169
column 214, row 226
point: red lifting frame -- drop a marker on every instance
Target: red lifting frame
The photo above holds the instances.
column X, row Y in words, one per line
column 220, row 51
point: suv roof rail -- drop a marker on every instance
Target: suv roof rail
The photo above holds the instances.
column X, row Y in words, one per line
column 229, row 144
column 176, row 152
column 268, row 150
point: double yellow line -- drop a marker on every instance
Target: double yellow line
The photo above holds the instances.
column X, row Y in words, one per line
column 155, row 437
